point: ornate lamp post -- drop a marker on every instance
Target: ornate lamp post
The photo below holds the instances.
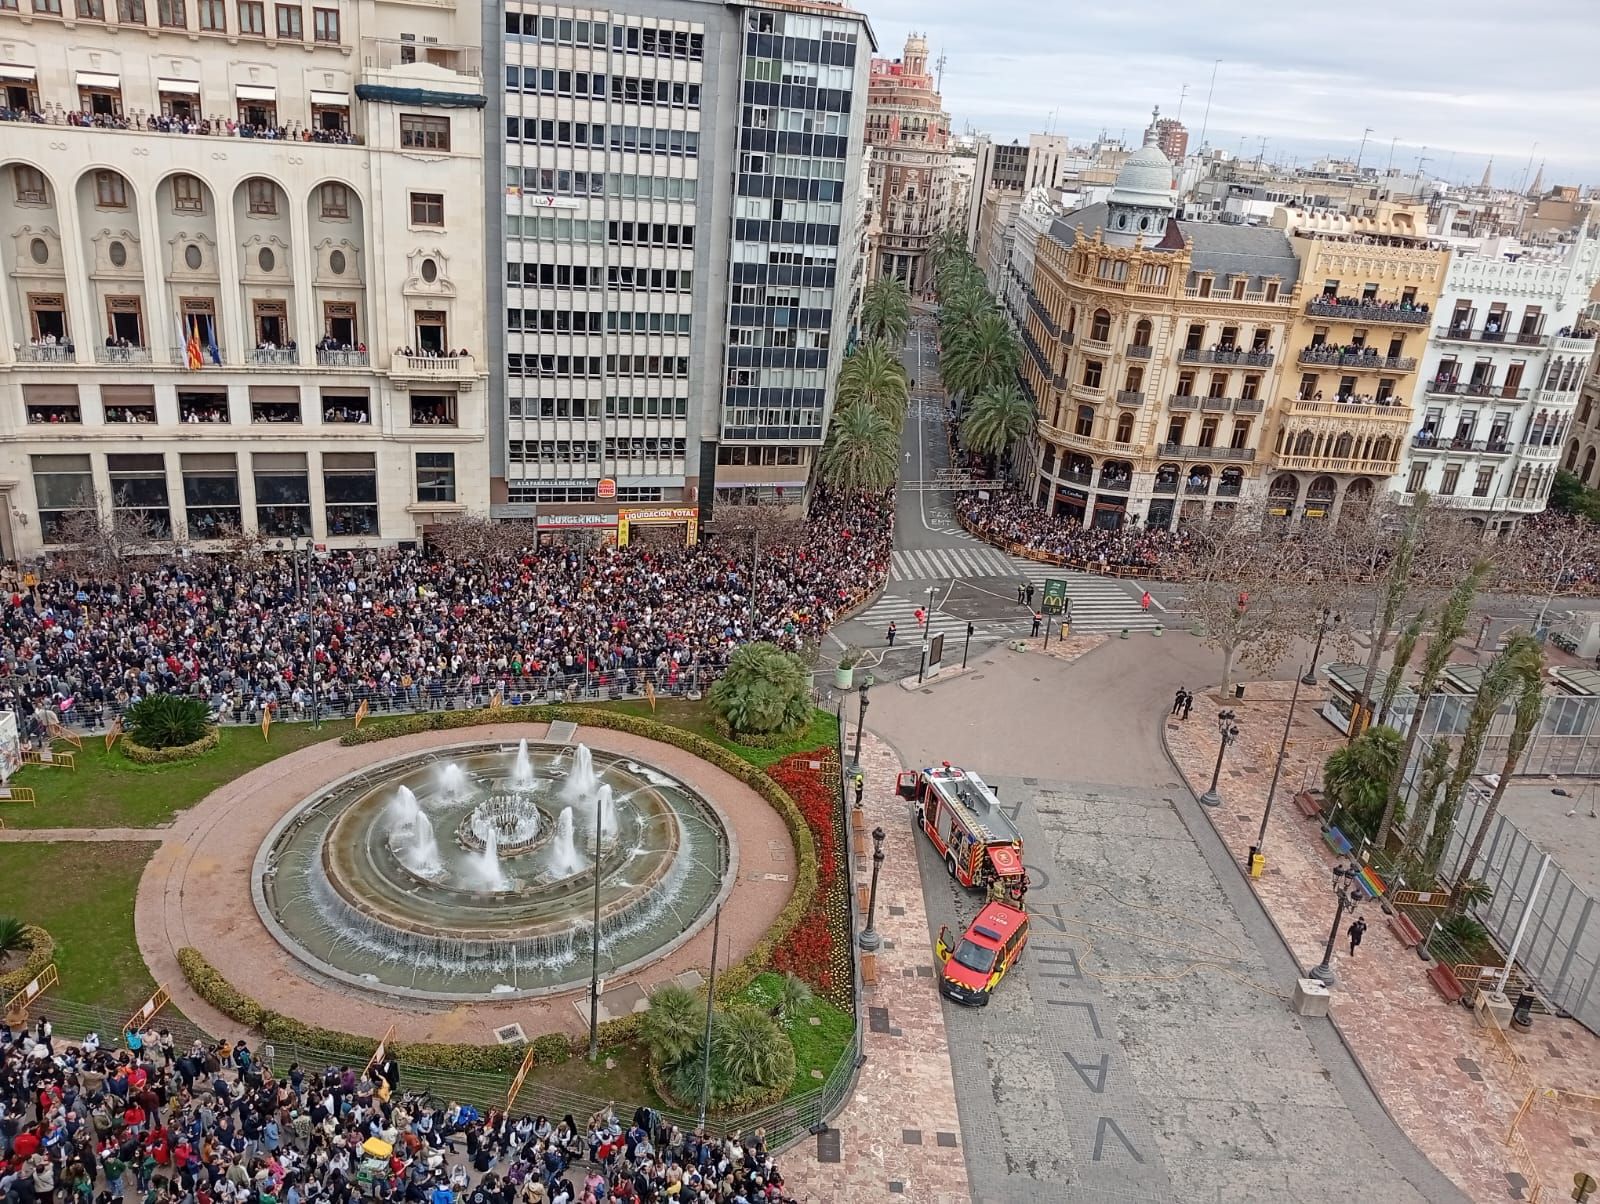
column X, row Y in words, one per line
column 1348, row 894
column 861, row 722
column 1228, row 730
column 1325, row 624
column 869, row 940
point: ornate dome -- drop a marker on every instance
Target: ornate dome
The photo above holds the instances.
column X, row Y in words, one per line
column 1145, row 179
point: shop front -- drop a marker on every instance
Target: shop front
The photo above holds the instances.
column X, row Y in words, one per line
column 577, row 529
column 658, row 524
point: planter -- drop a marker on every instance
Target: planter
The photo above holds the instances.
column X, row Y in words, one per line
column 1158, row 632
column 844, row 677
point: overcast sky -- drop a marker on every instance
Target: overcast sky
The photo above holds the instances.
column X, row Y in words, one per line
column 1487, row 77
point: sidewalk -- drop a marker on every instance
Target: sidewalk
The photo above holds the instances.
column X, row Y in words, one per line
column 1453, row 1086
column 899, row 1137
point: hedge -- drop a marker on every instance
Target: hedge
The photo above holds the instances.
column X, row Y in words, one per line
column 755, row 739
column 140, row 755
column 41, row 952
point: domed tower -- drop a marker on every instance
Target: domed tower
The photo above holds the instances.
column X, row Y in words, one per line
column 915, row 60
column 1141, row 203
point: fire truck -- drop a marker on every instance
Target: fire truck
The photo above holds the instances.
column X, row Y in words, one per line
column 961, row 815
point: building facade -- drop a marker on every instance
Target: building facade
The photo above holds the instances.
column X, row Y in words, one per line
column 1583, row 440
column 1153, row 349
column 1499, row 385
column 910, row 135
column 1370, row 295
column 241, row 288
column 1170, row 134
column 672, row 333
column 1013, row 168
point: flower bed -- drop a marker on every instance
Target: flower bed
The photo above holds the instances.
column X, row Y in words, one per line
column 41, row 952
column 140, row 755
column 818, row 948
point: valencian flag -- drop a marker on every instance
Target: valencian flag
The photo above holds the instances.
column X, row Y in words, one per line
column 266, row 721
column 494, row 701
column 191, row 351
column 361, row 713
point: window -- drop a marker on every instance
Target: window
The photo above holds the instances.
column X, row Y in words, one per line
column 424, row 133
column 139, row 490
column 63, row 486
column 213, row 16
column 1125, row 428
column 172, row 14
column 253, row 17
column 1452, row 476
column 1100, row 325
column 325, row 24
column 263, row 196
column 433, row 409
column 110, row 190
column 30, row 185
column 436, row 476
column 289, row 17
column 1092, row 370
column 1208, row 431
column 53, row 7
column 350, row 492
column 335, row 200
column 1419, row 473
column 283, row 495
column 1241, row 433
column 130, row 12
column 1085, row 425
column 427, row 209
column 1483, row 483
column 188, row 194
column 92, row 10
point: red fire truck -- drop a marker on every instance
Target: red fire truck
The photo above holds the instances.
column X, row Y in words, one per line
column 962, row 816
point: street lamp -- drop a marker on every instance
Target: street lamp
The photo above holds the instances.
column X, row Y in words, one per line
column 869, row 940
column 1277, row 769
column 861, row 723
column 1325, row 624
column 927, row 634
column 1229, row 731
column 1348, row 893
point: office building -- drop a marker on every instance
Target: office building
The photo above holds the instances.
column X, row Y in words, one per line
column 1170, row 135
column 242, row 283
column 672, row 333
column 1014, row 168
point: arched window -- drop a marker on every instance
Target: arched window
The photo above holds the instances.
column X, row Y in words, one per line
column 1100, row 327
column 1572, row 456
column 1125, row 428
column 1072, row 318
column 1086, row 421
column 1141, row 333
column 1135, row 379
column 1380, row 449
column 1303, row 443
column 1343, row 445
column 1588, row 468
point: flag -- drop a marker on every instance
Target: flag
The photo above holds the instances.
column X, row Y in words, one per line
column 494, row 701
column 266, row 722
column 113, row 732
column 192, row 351
column 650, row 693
column 215, row 351
column 361, row 713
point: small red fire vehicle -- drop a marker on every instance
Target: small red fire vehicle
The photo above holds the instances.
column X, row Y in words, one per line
column 974, row 966
column 961, row 815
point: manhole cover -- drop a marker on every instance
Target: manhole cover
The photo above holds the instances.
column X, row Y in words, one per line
column 510, row 1034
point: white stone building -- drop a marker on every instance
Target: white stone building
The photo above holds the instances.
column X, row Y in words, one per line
column 242, row 268
column 1501, row 378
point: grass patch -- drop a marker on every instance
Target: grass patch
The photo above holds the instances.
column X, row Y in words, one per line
column 816, row 1046
column 107, row 790
column 625, row 1082
column 83, row 892
column 821, row 732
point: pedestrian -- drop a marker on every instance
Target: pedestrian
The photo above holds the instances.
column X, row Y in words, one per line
column 1022, row 589
column 1356, row 932
column 1177, row 700
column 1030, row 593
column 891, row 633
column 1037, row 620
column 861, row 785
column 1144, row 602
column 1188, row 704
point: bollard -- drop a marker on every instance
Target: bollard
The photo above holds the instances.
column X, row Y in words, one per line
column 1124, row 634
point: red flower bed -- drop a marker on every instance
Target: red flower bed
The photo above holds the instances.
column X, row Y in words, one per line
column 818, row 950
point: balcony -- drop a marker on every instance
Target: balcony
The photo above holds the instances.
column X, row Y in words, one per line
column 1217, row 405
column 1320, row 357
column 1570, row 344
column 1074, row 477
column 46, row 353
column 1523, row 505
column 1130, row 397
column 1043, row 315
column 1116, row 484
column 1088, row 393
column 1164, row 486
column 1229, row 488
column 140, row 123
column 341, row 359
column 1475, row 388
column 1200, row 485
column 433, row 368
column 1068, row 337
column 1226, row 355
column 122, row 355
column 1381, row 468
column 1059, row 382
column 180, row 356
column 1367, row 311
column 1396, row 409
column 1427, row 441
column 1541, row 451
column 273, row 357
column 1190, row 451
column 1138, row 351
column 1249, row 405
column 1465, row 334
column 1183, row 401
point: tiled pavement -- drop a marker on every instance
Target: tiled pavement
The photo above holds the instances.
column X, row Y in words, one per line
column 1450, row 1085
column 899, row 1137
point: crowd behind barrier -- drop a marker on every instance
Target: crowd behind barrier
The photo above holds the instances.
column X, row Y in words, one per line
column 419, row 629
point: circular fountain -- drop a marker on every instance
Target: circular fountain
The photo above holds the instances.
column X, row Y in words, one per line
column 470, row 872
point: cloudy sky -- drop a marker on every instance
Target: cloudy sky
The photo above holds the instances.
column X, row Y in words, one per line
column 1482, row 78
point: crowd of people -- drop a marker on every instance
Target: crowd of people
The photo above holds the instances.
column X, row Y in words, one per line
column 412, row 629
column 180, row 123
column 157, row 1122
column 1009, row 519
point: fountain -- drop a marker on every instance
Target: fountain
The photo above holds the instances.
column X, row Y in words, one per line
column 356, row 883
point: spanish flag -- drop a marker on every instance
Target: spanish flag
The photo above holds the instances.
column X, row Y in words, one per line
column 266, row 721
column 361, row 713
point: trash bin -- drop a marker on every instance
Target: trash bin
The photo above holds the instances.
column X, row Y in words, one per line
column 1238, row 691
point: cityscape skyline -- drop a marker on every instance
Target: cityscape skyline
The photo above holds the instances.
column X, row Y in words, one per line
column 1307, row 97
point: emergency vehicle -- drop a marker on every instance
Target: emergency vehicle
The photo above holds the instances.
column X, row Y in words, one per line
column 975, row 964
column 961, row 815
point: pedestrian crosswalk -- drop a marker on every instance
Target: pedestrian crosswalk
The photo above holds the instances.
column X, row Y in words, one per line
column 1099, row 604
column 940, row 564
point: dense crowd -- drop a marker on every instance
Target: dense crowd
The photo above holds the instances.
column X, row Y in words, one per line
column 418, row 628
column 158, row 1123
column 1008, row 518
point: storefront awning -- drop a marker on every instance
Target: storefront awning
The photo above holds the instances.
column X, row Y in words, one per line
column 96, row 79
column 255, row 92
column 183, row 87
column 13, row 71
column 335, row 100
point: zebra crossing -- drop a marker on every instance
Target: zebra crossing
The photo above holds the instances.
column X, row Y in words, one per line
column 939, row 564
column 1099, row 604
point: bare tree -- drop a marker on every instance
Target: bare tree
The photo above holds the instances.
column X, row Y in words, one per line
column 100, row 543
column 1545, row 557
column 246, row 550
column 478, row 537
column 749, row 528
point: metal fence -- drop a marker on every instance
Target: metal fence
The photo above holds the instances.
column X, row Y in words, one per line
column 1566, row 742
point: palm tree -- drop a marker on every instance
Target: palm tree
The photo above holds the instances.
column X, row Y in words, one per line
column 13, row 935
column 1496, row 686
column 1405, row 647
column 996, row 420
column 873, row 376
column 885, row 311
column 1356, row 777
column 981, row 357
column 862, row 451
column 673, row 1026
column 1525, row 663
column 751, row 1050
column 947, row 245
column 1441, row 643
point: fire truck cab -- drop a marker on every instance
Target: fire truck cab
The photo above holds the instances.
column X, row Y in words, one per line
column 961, row 815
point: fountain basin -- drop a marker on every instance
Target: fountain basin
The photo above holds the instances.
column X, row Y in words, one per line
column 334, row 886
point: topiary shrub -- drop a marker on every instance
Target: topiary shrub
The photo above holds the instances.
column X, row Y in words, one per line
column 167, row 720
column 41, row 949
column 764, row 690
column 139, row 754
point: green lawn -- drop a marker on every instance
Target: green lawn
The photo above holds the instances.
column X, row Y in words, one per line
column 107, row 790
column 695, row 717
column 816, row 1046
column 83, row 894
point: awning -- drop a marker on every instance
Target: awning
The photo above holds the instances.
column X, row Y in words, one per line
column 183, row 87
column 337, row 100
column 94, row 79
column 12, row 71
column 1006, row 862
column 255, row 92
